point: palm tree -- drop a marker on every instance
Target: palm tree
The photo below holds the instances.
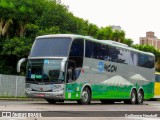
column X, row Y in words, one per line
column 7, row 11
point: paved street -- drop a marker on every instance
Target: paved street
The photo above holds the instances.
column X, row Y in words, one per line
column 72, row 110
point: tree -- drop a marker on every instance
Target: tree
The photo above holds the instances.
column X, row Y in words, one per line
column 92, row 30
column 27, row 12
column 18, row 47
column 118, row 35
column 127, row 41
column 7, row 14
column 105, row 33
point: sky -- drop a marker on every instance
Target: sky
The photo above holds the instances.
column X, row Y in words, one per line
column 135, row 17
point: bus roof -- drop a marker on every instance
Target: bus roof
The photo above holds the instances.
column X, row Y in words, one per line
column 61, row 35
column 108, row 42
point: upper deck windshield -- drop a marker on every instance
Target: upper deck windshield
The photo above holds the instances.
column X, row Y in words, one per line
column 50, row 47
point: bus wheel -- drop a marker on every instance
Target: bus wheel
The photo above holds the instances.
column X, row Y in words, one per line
column 85, row 96
column 51, row 101
column 133, row 98
column 140, row 97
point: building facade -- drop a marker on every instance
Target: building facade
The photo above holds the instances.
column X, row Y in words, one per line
column 150, row 39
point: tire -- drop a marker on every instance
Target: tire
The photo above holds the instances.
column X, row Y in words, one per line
column 140, row 97
column 85, row 97
column 103, row 101
column 133, row 98
column 51, row 101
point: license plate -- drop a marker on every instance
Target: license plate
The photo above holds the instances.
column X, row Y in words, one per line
column 40, row 95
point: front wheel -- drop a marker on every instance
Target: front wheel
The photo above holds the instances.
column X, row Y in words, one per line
column 85, row 96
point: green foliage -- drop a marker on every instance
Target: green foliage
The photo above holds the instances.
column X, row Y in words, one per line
column 52, row 30
column 127, row 41
column 105, row 33
column 19, row 47
column 32, row 30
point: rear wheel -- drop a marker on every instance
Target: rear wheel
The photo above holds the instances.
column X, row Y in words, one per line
column 140, row 97
column 51, row 101
column 133, row 98
column 85, row 96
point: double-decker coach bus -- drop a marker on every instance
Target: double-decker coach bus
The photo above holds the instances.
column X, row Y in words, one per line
column 74, row 67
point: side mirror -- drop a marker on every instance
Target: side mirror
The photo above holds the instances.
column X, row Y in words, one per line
column 19, row 64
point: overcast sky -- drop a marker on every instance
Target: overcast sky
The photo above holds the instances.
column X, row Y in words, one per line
column 134, row 16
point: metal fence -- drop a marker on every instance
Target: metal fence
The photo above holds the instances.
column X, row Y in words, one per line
column 12, row 86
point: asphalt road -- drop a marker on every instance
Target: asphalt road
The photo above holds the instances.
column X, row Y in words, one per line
column 41, row 110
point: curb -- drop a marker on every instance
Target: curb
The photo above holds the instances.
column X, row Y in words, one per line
column 23, row 99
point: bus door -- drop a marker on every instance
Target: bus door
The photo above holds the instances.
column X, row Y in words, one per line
column 70, row 80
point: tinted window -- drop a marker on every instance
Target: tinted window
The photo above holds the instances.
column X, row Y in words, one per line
column 106, row 56
column 76, row 59
column 50, row 47
column 77, row 48
column 97, row 50
column 101, row 51
column 91, row 49
column 118, row 55
column 145, row 61
column 113, row 53
column 151, row 62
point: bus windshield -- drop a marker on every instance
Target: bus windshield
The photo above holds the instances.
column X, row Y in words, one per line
column 44, row 70
column 50, row 47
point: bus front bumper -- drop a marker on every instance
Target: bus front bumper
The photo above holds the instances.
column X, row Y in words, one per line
column 46, row 95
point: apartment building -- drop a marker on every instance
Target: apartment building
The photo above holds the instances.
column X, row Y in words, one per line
column 150, row 39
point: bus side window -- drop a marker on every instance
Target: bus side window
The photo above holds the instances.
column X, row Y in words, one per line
column 70, row 71
column 77, row 72
column 101, row 51
column 69, row 76
column 113, row 53
column 106, row 56
column 91, row 49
